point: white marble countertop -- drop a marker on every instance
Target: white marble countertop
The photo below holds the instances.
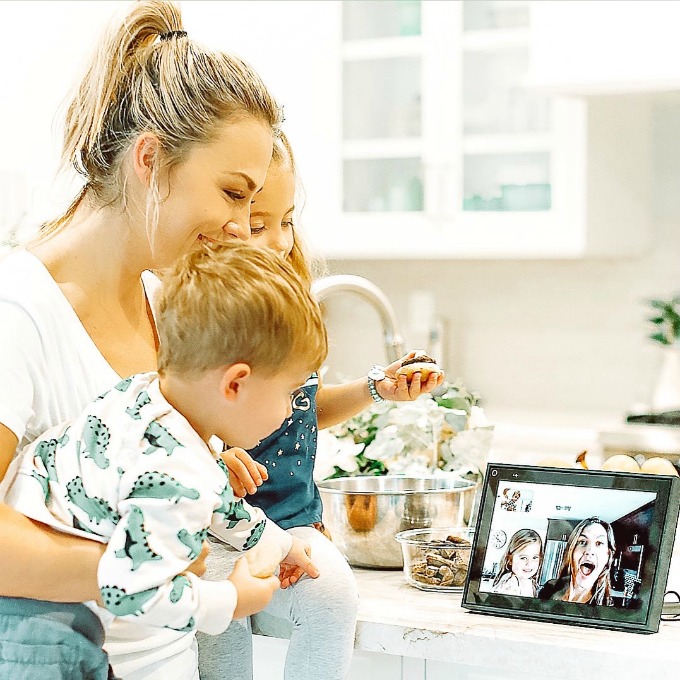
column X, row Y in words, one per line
column 396, row 618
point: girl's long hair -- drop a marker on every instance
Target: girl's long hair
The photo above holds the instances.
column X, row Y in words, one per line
column 308, row 267
column 520, row 539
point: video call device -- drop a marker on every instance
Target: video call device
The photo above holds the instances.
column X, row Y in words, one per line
column 580, row 547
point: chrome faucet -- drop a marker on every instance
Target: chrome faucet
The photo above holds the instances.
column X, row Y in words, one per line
column 337, row 283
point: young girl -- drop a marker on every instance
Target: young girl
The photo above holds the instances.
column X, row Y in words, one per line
column 519, row 566
column 172, row 141
column 323, row 610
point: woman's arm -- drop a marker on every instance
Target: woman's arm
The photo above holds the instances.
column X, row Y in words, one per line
column 36, row 561
column 40, row 563
column 337, row 403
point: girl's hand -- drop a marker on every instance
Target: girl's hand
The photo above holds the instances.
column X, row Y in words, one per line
column 296, row 563
column 254, row 593
column 245, row 474
column 400, row 389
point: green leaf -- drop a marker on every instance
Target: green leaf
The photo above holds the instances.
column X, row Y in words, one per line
column 457, row 403
column 659, row 337
column 339, row 472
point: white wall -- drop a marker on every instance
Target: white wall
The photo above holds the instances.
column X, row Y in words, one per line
column 43, row 48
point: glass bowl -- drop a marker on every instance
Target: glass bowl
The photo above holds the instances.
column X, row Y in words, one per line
column 436, row 559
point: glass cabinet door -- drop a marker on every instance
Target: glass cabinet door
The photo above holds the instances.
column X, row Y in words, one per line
column 385, row 19
column 506, row 129
column 382, row 107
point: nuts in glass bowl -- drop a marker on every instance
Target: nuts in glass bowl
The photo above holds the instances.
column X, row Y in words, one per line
column 436, row 559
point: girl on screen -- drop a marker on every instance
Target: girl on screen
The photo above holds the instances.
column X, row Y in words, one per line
column 520, row 564
column 585, row 572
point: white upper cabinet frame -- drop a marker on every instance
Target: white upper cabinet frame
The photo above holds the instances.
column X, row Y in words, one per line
column 598, row 159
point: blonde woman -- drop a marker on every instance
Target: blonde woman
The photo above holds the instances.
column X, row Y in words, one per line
column 585, row 574
column 173, row 141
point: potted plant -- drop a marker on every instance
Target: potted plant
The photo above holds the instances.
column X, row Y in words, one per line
column 447, row 432
column 666, row 333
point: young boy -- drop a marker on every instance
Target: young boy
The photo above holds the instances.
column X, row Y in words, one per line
column 238, row 334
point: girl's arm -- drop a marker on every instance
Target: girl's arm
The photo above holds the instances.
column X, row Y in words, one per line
column 337, row 403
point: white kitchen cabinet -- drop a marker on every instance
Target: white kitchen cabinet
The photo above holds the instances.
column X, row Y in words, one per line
column 605, row 46
column 442, row 152
column 416, row 137
column 269, row 658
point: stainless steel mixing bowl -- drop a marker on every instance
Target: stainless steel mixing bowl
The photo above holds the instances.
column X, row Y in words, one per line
column 364, row 514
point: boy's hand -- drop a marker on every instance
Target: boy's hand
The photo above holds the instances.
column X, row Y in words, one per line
column 254, row 594
column 400, row 389
column 296, row 563
column 245, row 474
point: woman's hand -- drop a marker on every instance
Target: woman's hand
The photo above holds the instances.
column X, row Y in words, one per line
column 399, row 388
column 296, row 563
column 245, row 474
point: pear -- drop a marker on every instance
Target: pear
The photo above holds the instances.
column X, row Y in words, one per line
column 621, row 463
column 659, row 466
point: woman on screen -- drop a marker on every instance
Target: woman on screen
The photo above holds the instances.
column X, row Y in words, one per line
column 585, row 572
column 520, row 565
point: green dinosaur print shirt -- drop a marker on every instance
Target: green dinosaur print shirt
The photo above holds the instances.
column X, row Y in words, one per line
column 132, row 473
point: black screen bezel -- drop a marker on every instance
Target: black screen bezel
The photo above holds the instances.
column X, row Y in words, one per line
column 661, row 538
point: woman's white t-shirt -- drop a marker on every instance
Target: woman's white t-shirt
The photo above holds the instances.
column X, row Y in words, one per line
column 50, row 369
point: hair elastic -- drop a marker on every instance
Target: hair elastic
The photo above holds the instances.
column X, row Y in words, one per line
column 172, row 34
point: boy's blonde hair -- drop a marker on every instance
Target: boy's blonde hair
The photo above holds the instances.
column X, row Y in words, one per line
column 307, row 267
column 236, row 303
column 147, row 75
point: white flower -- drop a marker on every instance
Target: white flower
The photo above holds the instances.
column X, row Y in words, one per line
column 332, row 451
column 386, row 445
column 477, row 418
column 417, row 437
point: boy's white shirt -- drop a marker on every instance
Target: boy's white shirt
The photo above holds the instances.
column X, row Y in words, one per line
column 131, row 472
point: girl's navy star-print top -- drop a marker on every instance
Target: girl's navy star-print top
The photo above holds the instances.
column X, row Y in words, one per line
column 290, row 497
